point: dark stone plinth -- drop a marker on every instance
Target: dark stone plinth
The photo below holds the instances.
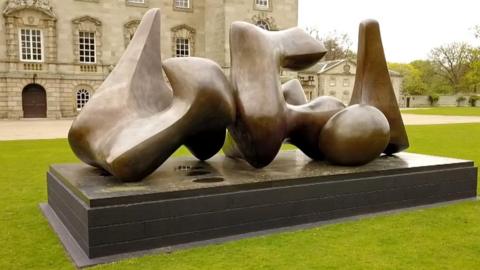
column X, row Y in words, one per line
column 187, row 201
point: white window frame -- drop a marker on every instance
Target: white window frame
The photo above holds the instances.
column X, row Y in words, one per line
column 136, row 1
column 31, row 54
column 80, row 103
column 85, row 50
column 263, row 4
column 180, row 4
column 187, row 42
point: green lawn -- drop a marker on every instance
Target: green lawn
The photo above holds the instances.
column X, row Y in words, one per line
column 459, row 111
column 446, row 237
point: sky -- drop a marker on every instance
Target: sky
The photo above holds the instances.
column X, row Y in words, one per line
column 410, row 28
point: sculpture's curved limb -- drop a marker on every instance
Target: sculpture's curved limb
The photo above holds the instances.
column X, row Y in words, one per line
column 213, row 107
column 293, row 92
column 305, row 122
column 373, row 86
column 256, row 56
column 144, row 122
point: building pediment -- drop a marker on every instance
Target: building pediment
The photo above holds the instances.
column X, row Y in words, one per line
column 183, row 26
column 132, row 23
column 82, row 19
column 340, row 66
column 42, row 6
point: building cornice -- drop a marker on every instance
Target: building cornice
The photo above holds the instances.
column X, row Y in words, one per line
column 43, row 6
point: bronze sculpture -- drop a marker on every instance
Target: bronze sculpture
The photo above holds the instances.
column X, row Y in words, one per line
column 135, row 121
column 373, row 85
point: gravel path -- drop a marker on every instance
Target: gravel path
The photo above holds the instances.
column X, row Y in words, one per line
column 33, row 129
column 418, row 119
column 52, row 129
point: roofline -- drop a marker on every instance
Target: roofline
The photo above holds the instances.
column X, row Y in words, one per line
column 335, row 65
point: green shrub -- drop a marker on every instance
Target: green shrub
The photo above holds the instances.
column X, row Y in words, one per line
column 473, row 100
column 460, row 100
column 433, row 99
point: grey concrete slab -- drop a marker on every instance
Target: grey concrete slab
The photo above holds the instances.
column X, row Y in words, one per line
column 186, row 176
column 81, row 260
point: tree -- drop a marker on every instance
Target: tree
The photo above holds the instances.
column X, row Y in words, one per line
column 412, row 78
column 434, row 83
column 471, row 80
column 420, row 78
column 452, row 62
column 337, row 44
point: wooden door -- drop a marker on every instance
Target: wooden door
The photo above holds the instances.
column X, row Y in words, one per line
column 34, row 101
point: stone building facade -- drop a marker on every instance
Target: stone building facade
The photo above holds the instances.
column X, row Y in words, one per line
column 336, row 78
column 55, row 53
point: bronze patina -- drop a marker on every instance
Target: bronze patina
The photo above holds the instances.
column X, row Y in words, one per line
column 136, row 121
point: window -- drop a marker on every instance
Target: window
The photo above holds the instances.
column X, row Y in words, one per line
column 31, row 45
column 86, row 50
column 136, row 1
column 183, row 41
column 263, row 24
column 82, row 98
column 333, row 82
column 182, row 3
column 262, row 3
column 346, row 82
column 182, row 47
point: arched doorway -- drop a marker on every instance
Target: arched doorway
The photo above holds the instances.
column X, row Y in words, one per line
column 34, row 101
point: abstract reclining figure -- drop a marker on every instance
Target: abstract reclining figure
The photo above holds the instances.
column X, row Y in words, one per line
column 264, row 120
column 135, row 121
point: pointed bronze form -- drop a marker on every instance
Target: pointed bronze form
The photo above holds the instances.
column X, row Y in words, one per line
column 257, row 55
column 373, row 86
column 135, row 122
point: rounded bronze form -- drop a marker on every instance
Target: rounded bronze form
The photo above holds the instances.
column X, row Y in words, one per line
column 305, row 122
column 257, row 57
column 354, row 136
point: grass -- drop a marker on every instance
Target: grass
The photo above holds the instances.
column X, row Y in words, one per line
column 458, row 111
column 446, row 237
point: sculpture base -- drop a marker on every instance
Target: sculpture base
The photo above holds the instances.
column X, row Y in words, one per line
column 186, row 201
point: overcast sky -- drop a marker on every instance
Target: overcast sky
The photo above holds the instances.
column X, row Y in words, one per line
column 410, row 28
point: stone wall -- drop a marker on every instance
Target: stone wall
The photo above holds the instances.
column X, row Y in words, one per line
column 443, row 101
column 61, row 95
column 3, row 98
